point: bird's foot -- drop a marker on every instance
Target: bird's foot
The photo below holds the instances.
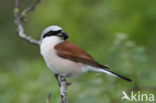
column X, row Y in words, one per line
column 61, row 79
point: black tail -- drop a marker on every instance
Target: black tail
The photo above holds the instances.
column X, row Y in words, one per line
column 120, row 76
column 108, row 71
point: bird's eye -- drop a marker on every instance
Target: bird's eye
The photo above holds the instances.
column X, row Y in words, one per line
column 51, row 33
column 56, row 32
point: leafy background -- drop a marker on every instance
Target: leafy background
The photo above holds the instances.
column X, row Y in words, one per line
column 117, row 33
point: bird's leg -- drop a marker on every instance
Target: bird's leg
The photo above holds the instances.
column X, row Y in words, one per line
column 57, row 78
column 60, row 78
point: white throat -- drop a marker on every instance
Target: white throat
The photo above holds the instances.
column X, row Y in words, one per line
column 49, row 43
column 53, row 40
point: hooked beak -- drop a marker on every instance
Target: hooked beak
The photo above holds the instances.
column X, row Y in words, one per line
column 64, row 35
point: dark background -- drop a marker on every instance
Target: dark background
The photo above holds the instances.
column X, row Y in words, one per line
column 117, row 33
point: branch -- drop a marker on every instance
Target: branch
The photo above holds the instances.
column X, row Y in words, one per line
column 29, row 9
column 20, row 31
column 63, row 88
column 48, row 99
column 18, row 22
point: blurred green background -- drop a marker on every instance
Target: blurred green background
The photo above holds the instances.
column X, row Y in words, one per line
column 117, row 33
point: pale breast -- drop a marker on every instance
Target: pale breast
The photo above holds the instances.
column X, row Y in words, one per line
column 58, row 64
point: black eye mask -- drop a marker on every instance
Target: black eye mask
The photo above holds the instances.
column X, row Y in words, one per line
column 51, row 33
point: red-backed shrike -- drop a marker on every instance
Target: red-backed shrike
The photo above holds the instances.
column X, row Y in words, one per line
column 67, row 59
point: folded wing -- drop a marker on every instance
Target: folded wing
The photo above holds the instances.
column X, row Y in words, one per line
column 72, row 52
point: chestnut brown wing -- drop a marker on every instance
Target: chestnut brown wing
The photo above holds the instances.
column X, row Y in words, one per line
column 68, row 50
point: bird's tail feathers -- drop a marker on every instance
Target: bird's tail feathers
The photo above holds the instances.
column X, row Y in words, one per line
column 114, row 74
column 108, row 71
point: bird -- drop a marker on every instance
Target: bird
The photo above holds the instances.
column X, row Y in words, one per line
column 65, row 58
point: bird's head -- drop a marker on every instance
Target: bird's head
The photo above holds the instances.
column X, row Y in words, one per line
column 54, row 30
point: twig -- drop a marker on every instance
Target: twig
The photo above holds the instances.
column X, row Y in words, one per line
column 20, row 31
column 48, row 98
column 20, row 28
column 29, row 9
